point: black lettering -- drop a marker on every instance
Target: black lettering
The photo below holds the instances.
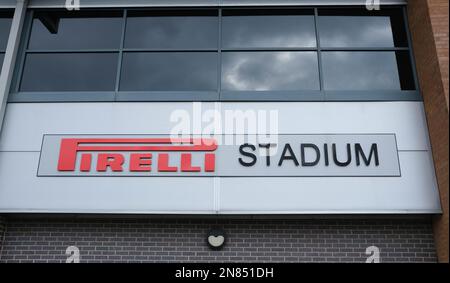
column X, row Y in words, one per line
column 325, row 154
column 291, row 155
column 349, row 156
column 247, row 154
column 302, row 152
column 267, row 147
column 373, row 152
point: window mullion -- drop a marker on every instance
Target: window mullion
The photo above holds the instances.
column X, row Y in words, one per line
column 319, row 51
column 219, row 56
column 120, row 56
column 410, row 49
column 23, row 54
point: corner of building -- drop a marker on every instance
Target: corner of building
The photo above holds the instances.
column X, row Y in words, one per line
column 429, row 30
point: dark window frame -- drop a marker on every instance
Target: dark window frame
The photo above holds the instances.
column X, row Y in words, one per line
column 218, row 95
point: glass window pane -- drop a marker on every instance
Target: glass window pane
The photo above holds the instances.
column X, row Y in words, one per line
column 5, row 25
column 172, row 30
column 76, row 30
column 270, row 71
column 355, row 28
column 405, row 70
column 1, row 60
column 265, row 28
column 360, row 71
column 171, row 71
column 70, row 72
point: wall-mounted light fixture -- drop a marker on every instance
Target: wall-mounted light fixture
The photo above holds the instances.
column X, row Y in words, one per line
column 216, row 238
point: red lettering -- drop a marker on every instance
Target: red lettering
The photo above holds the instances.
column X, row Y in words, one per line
column 67, row 155
column 210, row 162
column 86, row 160
column 113, row 160
column 163, row 163
column 186, row 163
column 140, row 162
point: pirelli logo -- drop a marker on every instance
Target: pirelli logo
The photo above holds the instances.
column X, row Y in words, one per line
column 112, row 153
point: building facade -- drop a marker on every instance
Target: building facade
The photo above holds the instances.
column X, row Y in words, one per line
column 224, row 131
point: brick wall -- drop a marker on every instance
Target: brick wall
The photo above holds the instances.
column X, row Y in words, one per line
column 439, row 22
column 428, row 21
column 149, row 240
column 2, row 230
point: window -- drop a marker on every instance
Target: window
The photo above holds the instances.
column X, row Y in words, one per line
column 170, row 51
column 254, row 56
column 169, row 71
column 364, row 50
column 188, row 30
column 362, row 28
column 75, row 31
column 264, row 71
column 69, row 72
column 268, row 28
column 72, row 51
column 5, row 25
column 360, row 70
column 215, row 54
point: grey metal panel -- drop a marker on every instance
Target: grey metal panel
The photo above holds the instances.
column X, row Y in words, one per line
column 305, row 2
column 206, row 3
column 165, row 96
column 415, row 191
column 26, row 123
column 321, row 96
column 404, row 95
column 63, row 97
column 128, row 3
column 271, row 96
column 168, row 96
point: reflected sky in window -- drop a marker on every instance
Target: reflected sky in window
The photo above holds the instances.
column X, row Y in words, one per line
column 268, row 31
column 5, row 25
column 70, row 72
column 360, row 71
column 355, row 31
column 76, row 33
column 171, row 71
column 172, row 32
column 261, row 71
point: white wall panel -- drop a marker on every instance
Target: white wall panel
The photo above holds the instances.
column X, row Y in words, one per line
column 405, row 119
column 21, row 190
column 26, row 123
column 407, row 194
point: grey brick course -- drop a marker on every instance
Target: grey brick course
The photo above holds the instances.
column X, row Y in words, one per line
column 173, row 240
